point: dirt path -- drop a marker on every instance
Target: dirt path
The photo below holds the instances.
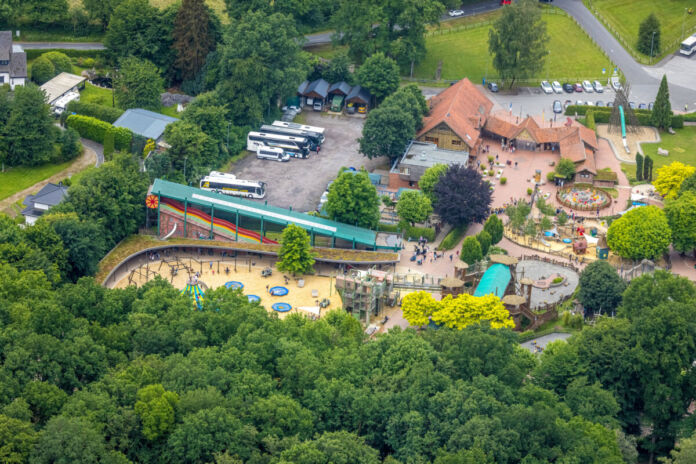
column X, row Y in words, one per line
column 87, row 159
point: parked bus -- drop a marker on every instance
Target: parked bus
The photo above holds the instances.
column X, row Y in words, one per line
column 297, row 147
column 222, row 182
column 272, row 153
column 294, row 125
column 314, row 138
column 688, row 46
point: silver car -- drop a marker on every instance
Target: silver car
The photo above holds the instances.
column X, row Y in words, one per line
column 546, row 87
column 557, row 87
column 587, row 86
column 597, row 86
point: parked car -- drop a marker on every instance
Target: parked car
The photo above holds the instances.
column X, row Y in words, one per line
column 546, row 87
column 455, row 13
column 597, row 86
column 616, row 83
column 296, row 109
column 557, row 87
column 599, row 103
column 557, row 107
column 568, row 87
column 578, row 87
column 579, row 103
column 642, row 106
column 318, row 105
column 493, row 87
column 610, row 104
column 632, row 105
column 362, row 109
column 589, row 103
column 567, row 103
column 350, row 108
column 587, row 86
column 650, row 105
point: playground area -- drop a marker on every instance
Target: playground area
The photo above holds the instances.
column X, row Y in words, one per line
column 310, row 295
column 583, row 197
column 544, row 291
column 642, row 135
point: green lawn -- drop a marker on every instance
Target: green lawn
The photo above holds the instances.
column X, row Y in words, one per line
column 101, row 96
column 625, row 17
column 18, row 178
column 681, row 147
column 464, row 53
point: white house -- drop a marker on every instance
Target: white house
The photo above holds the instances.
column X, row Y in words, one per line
column 13, row 61
column 49, row 196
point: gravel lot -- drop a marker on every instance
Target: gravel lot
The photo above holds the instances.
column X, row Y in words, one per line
column 299, row 183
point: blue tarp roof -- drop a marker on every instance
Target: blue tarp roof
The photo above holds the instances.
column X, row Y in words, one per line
column 143, row 122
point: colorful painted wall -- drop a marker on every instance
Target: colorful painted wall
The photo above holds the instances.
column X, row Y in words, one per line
column 198, row 224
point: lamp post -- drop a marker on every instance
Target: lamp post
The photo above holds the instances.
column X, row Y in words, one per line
column 652, row 40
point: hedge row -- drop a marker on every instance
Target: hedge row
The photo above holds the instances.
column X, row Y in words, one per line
column 414, row 233
column 95, row 129
column 101, row 112
column 453, row 238
column 691, row 117
column 603, row 114
column 35, row 53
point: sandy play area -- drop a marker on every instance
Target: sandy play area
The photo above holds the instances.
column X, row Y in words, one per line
column 644, row 134
column 255, row 284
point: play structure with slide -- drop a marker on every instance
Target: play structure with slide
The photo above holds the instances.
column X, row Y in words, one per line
column 226, row 229
column 623, row 129
column 194, row 291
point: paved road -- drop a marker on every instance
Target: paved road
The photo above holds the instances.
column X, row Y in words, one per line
column 544, row 341
column 97, row 148
column 62, row 45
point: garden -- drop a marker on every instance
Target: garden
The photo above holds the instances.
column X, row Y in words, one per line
column 680, row 146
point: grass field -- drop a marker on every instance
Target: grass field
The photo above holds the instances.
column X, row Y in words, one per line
column 625, row 17
column 572, row 55
column 681, row 147
column 18, row 178
column 94, row 94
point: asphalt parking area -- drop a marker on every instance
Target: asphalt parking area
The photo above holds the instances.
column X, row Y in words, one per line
column 299, row 183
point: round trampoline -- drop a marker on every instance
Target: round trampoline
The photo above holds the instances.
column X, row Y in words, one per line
column 281, row 307
column 548, row 233
column 253, row 298
column 567, row 240
column 278, row 291
column 234, row 285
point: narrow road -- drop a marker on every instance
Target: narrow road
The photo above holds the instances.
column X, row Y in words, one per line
column 97, row 148
column 62, row 45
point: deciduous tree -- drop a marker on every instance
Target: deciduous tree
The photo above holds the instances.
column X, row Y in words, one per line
column 462, row 196
column 494, row 227
column 156, row 408
column 471, row 251
column 642, row 233
column 42, row 70
column 101, row 10
column 517, row 41
column 29, row 134
column 464, row 310
column 430, row 178
column 295, row 255
column 647, row 290
column 386, row 132
column 670, row 177
column 600, row 288
column 417, row 307
column 681, row 216
column 413, row 207
column 138, row 85
column 484, row 239
column 380, row 75
column 353, row 200
column 649, row 36
column 565, row 168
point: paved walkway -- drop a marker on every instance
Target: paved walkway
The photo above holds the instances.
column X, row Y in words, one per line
column 544, row 341
column 87, row 159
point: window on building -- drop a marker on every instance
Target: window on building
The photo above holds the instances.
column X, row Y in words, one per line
column 456, row 142
column 431, row 139
column 2, row 79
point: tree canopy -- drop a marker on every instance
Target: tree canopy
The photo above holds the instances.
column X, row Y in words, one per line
column 681, row 216
column 353, row 200
column 600, row 288
column 670, row 177
column 430, row 178
column 642, row 233
column 661, row 116
column 380, row 75
column 649, row 36
column 494, row 227
column 462, row 196
column 138, row 85
column 295, row 255
column 386, row 132
column 471, row 251
column 413, row 206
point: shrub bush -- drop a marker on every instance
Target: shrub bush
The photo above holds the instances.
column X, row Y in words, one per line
column 691, row 117
column 529, row 191
column 104, row 113
column 452, row 238
column 414, row 233
column 388, row 227
column 677, row 121
column 109, row 144
column 503, row 180
column 122, row 138
column 550, row 176
column 60, row 61
column 42, row 70
column 88, row 127
column 557, row 280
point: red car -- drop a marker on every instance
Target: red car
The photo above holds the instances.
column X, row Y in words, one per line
column 505, row 2
column 578, row 87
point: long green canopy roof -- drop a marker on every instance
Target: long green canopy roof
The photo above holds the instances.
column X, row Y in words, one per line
column 271, row 214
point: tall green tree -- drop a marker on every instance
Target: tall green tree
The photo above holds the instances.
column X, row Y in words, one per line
column 688, row 185
column 101, row 10
column 42, row 70
column 517, row 41
column 484, row 238
column 387, row 132
column 494, row 227
column 190, row 148
column 647, row 168
column 565, row 168
column 295, row 255
column 600, row 288
column 639, row 166
column 413, row 207
column 471, row 251
column 338, row 69
column 83, row 241
column 193, row 39
column 353, row 200
column 430, row 178
column 380, row 75
column 29, row 134
column 138, row 85
column 645, row 291
column 681, row 216
column 661, row 116
column 260, row 62
column 642, row 233
column 649, row 36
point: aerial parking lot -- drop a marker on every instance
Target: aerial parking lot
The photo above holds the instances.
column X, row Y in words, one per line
column 299, row 183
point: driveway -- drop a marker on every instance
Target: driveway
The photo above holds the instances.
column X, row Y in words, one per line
column 299, row 183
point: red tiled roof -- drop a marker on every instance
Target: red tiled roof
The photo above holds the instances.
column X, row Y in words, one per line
column 571, row 147
column 461, row 106
column 501, row 127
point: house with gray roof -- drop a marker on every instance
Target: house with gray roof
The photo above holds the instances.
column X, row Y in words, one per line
column 13, row 61
column 340, row 88
column 48, row 197
column 145, row 123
